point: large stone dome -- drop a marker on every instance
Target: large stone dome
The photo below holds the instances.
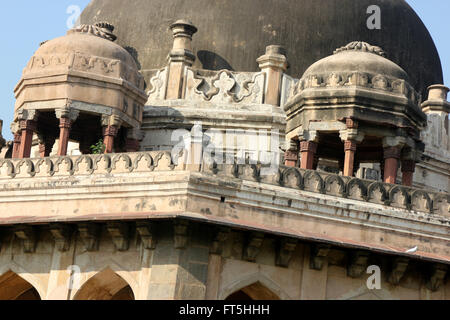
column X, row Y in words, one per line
column 234, row 33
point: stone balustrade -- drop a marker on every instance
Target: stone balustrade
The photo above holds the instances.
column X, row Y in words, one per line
column 397, row 196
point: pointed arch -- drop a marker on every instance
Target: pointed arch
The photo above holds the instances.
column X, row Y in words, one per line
column 254, row 287
column 25, row 275
column 14, row 287
column 105, row 285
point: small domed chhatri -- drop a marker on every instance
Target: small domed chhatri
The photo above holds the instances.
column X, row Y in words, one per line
column 81, row 82
column 357, row 100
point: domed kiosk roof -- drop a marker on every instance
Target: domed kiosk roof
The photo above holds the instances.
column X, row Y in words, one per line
column 95, row 40
column 234, row 33
column 357, row 56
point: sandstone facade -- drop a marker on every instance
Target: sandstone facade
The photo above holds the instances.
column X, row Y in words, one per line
column 222, row 184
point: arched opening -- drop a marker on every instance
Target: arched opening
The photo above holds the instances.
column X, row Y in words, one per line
column 255, row 291
column 14, row 287
column 106, row 285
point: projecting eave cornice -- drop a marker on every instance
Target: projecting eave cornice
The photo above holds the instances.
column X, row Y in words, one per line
column 295, row 203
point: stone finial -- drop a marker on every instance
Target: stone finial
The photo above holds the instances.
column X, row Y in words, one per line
column 438, row 92
column 437, row 99
column 274, row 57
column 274, row 63
column 182, row 31
column 100, row 29
column 361, row 46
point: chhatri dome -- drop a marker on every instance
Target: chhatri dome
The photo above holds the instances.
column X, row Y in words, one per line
column 81, row 82
column 236, row 32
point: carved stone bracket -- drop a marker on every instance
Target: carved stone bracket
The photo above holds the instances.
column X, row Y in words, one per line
column 222, row 235
column 253, row 246
column 358, row 264
column 27, row 115
column 28, row 235
column 62, row 235
column 285, row 251
column 308, row 135
column 398, row 270
column 90, row 235
column 319, row 254
column 437, row 276
column 147, row 234
column 111, row 120
column 120, row 234
column 67, row 113
column 180, row 237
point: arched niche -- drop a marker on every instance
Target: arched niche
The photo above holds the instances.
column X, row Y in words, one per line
column 255, row 291
column 106, row 285
column 14, row 287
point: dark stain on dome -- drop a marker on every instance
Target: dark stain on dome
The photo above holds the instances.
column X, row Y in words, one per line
column 234, row 33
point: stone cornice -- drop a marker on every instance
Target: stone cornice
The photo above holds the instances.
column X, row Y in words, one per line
column 72, row 185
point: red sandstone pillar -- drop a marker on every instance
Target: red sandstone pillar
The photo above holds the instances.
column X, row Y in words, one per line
column 28, row 127
column 132, row 145
column 109, row 134
column 291, row 154
column 65, row 125
column 349, row 162
column 391, row 157
column 408, row 168
column 291, row 158
column 308, row 150
column 16, row 145
column 45, row 146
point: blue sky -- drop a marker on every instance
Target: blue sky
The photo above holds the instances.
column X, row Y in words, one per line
column 25, row 23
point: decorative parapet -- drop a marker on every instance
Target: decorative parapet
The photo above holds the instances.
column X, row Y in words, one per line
column 222, row 86
column 397, row 196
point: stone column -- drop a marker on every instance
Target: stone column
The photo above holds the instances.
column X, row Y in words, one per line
column 180, row 57
column 109, row 134
column 408, row 168
column 350, row 149
column 391, row 156
column 27, row 127
column 308, row 151
column 15, row 129
column 273, row 64
column 64, row 133
column 351, row 137
column 111, row 126
column 291, row 155
column 27, row 124
column 45, row 145
column 134, row 138
column 66, row 116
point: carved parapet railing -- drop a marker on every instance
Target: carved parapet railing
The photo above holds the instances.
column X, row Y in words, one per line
column 397, row 196
column 87, row 165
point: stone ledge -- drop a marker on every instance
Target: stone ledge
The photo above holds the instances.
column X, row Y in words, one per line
column 396, row 196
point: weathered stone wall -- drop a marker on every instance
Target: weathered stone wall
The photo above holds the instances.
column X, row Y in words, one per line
column 190, row 268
